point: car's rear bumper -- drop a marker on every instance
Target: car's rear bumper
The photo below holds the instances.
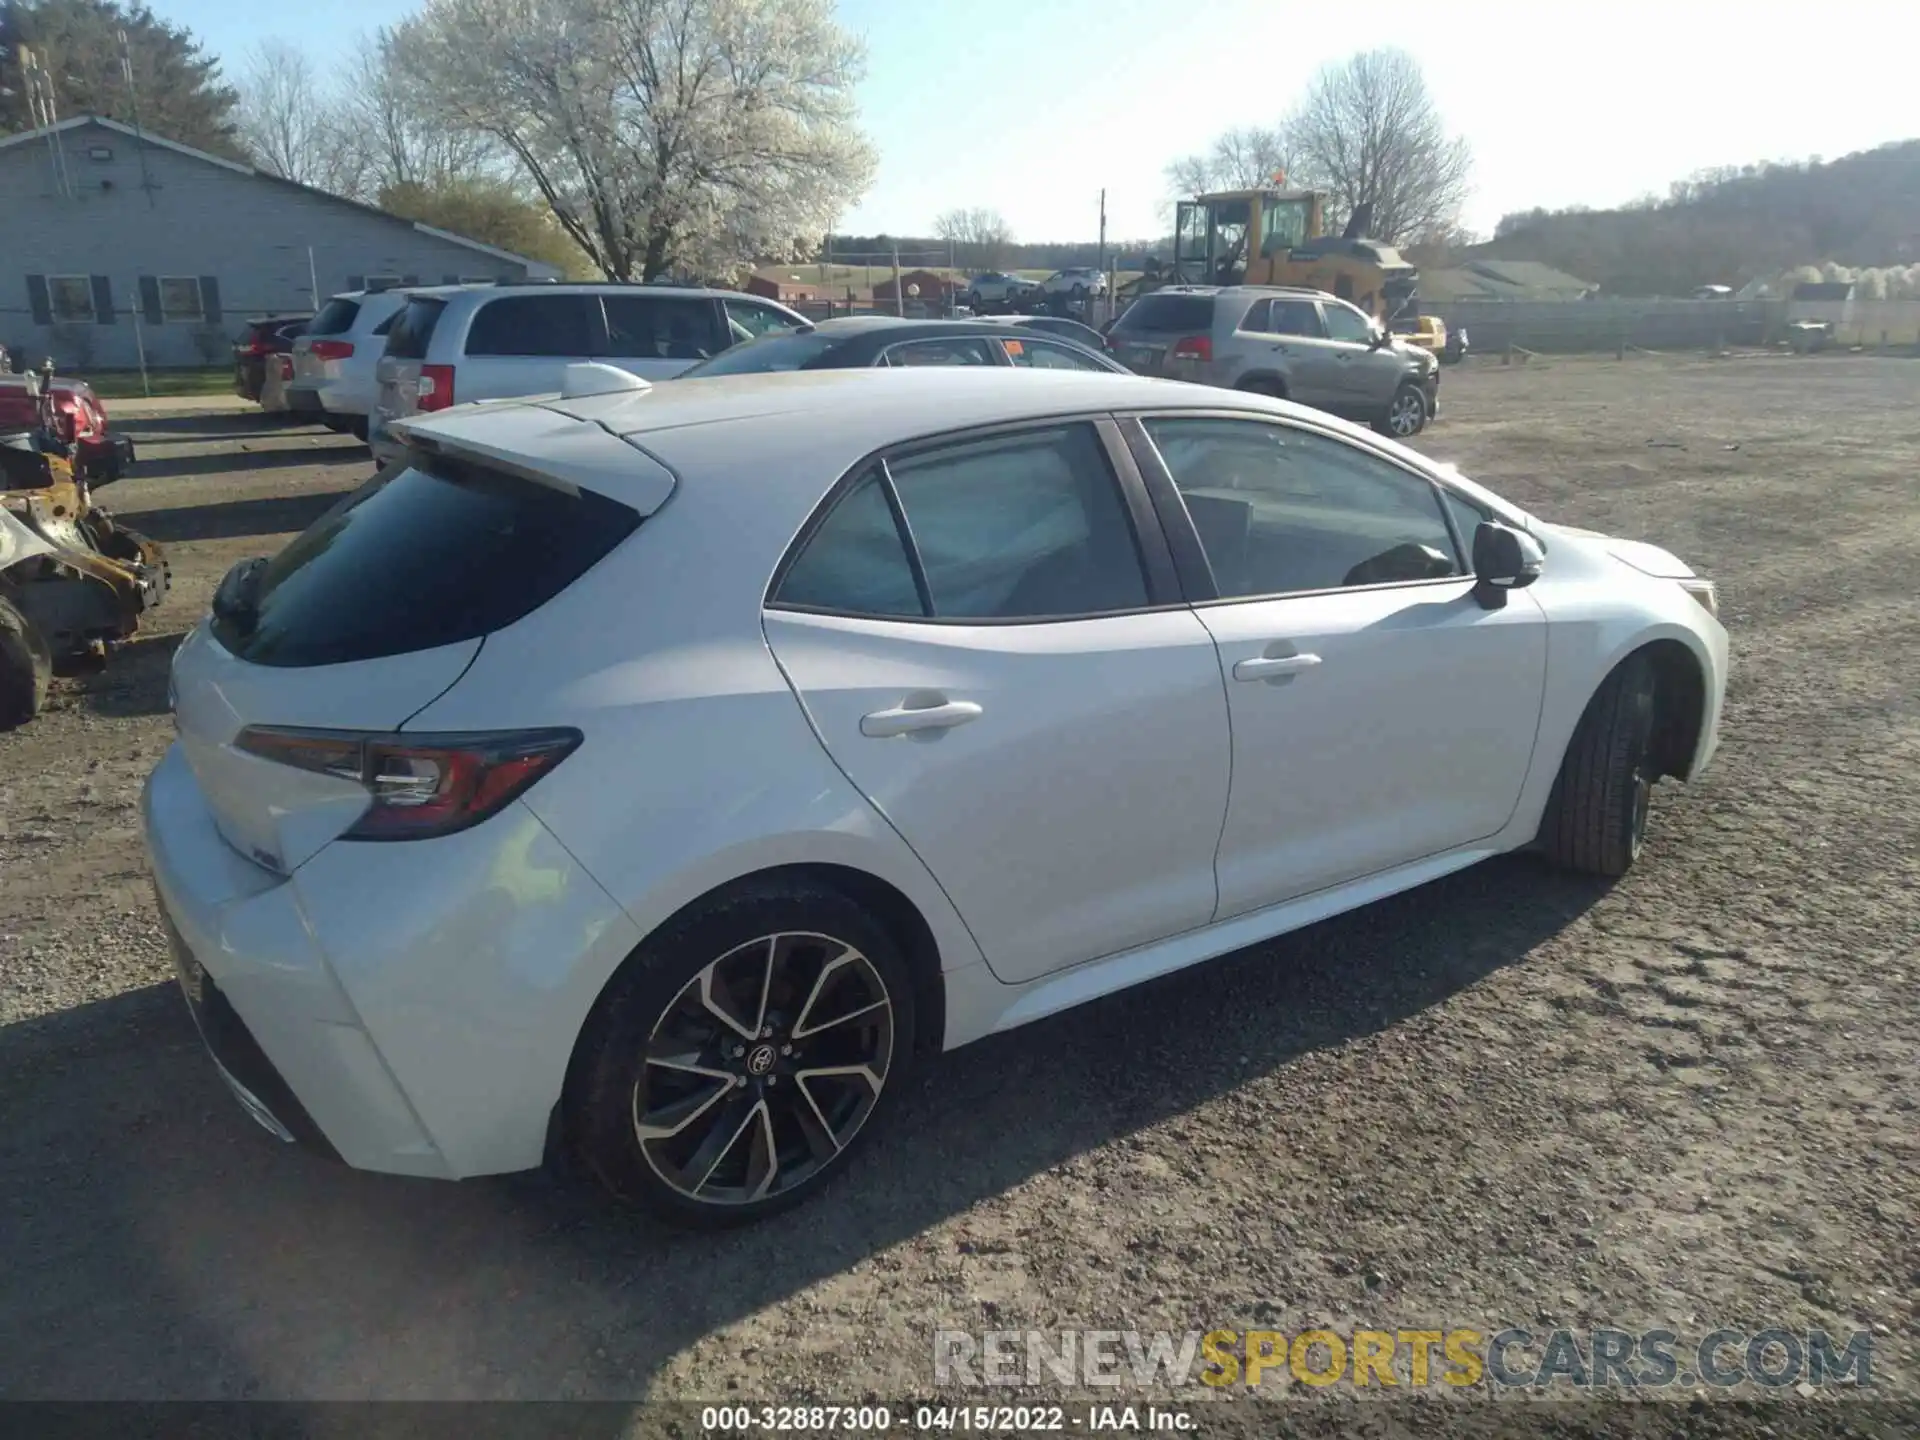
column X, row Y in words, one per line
column 409, row 1007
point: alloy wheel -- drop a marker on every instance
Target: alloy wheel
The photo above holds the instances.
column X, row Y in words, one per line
column 1406, row 413
column 763, row 1068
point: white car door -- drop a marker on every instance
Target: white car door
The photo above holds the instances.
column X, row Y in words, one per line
column 658, row 336
column 1043, row 724
column 1380, row 714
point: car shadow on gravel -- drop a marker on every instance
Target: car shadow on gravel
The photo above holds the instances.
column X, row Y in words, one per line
column 234, row 519
column 161, row 1246
column 235, row 425
column 321, row 449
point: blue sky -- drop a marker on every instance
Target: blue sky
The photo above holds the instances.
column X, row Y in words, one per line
column 1031, row 106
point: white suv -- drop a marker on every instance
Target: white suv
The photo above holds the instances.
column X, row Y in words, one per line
column 491, row 342
column 335, row 359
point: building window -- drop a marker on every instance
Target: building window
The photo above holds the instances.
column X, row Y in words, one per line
column 180, row 298
column 70, row 298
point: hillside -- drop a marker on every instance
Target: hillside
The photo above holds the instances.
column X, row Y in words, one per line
column 1731, row 226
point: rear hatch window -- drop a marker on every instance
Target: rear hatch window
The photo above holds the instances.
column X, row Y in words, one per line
column 412, row 331
column 336, row 317
column 767, row 354
column 427, row 555
column 1189, row 314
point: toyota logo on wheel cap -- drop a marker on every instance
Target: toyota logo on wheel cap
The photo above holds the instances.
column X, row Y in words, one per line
column 761, row 1060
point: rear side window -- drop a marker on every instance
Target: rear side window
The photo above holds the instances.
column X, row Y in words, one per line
column 1048, row 355
column 422, row 557
column 413, row 327
column 856, row 562
column 336, row 317
column 1189, row 314
column 940, row 352
column 533, row 325
column 661, row 327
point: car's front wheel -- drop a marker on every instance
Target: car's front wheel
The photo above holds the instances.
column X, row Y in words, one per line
column 1406, row 414
column 742, row 1054
column 1596, row 820
column 26, row 666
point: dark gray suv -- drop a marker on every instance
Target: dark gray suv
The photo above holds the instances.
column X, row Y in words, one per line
column 1302, row 345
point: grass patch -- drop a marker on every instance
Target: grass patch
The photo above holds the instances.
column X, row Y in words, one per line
column 125, row 384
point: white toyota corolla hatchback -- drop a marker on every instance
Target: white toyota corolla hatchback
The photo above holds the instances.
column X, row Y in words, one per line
column 660, row 772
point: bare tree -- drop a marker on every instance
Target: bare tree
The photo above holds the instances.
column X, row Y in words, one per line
column 665, row 134
column 399, row 137
column 288, row 123
column 1238, row 160
column 981, row 239
column 1368, row 133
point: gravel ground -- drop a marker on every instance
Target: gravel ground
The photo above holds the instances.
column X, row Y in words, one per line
column 1511, row 1097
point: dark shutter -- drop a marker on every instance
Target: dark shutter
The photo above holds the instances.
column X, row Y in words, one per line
column 409, row 279
column 150, row 300
column 102, row 300
column 356, row 282
column 210, row 299
column 38, row 301
column 449, row 279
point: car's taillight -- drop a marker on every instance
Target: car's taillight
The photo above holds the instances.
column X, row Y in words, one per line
column 422, row 785
column 1194, row 347
column 436, row 387
column 331, row 349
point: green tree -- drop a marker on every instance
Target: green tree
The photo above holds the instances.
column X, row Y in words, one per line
column 181, row 92
column 493, row 211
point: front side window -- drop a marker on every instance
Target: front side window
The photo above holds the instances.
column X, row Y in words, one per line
column 955, row 351
column 748, row 321
column 661, row 327
column 1045, row 355
column 1346, row 323
column 1296, row 317
column 1014, row 527
column 531, row 325
column 1280, row 511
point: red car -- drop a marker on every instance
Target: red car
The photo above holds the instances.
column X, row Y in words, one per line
column 79, row 419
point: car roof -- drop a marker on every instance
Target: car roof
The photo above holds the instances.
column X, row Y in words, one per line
column 801, row 427
column 487, row 289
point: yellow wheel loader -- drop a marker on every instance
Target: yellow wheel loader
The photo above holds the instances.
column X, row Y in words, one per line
column 72, row 581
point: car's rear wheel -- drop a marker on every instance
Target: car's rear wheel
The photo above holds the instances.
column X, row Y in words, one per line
column 1263, row 385
column 1596, row 820
column 1406, row 414
column 742, row 1055
column 26, row 667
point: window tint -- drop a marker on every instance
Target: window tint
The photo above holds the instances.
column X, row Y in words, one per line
column 1467, row 518
column 336, row 317
column 387, row 324
column 1046, row 355
column 855, row 563
column 1346, row 323
column 412, row 330
column 955, row 351
column 1021, row 527
column 418, row 558
column 660, row 327
column 1189, row 314
column 747, row 320
column 1295, row 317
column 1256, row 317
column 1281, row 510
column 532, row 325
column 796, row 351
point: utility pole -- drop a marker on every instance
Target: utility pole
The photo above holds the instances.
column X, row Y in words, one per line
column 313, row 281
column 1101, row 268
column 133, row 104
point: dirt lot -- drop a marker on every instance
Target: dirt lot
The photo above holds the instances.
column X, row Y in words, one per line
column 1508, row 1098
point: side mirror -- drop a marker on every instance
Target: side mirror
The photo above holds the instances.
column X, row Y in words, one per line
column 1503, row 559
column 1380, row 340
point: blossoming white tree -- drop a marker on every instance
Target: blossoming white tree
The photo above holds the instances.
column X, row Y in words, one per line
column 665, row 134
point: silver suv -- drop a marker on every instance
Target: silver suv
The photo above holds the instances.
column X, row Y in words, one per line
column 454, row 343
column 1302, row 345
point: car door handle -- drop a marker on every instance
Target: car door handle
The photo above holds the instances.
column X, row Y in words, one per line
column 905, row 720
column 1266, row 667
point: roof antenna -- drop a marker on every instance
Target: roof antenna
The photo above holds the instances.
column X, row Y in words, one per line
column 40, row 103
column 133, row 104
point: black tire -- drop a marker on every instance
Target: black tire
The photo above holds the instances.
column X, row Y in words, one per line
column 26, row 667
column 1596, row 818
column 1261, row 385
column 1406, row 414
column 655, row 997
